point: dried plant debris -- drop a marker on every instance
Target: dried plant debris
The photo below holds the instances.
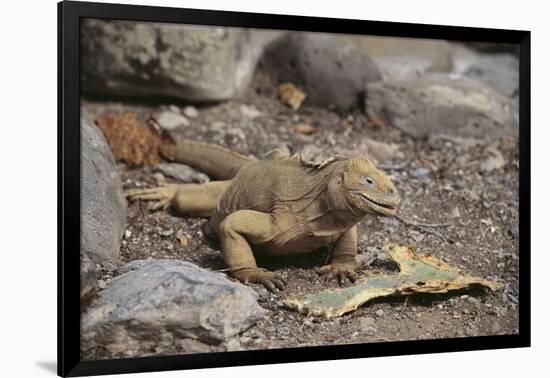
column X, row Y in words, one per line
column 418, row 274
column 291, row 95
column 133, row 141
column 304, row 128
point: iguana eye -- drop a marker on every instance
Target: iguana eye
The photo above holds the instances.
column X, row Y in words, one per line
column 367, row 181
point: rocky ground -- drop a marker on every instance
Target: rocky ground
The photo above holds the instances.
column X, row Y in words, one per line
column 439, row 117
column 471, row 183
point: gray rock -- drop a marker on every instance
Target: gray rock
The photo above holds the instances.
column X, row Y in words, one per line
column 498, row 71
column 329, row 70
column 156, row 303
column 194, row 63
column 190, row 111
column 250, row 111
column 103, row 206
column 182, row 172
column 419, row 173
column 438, row 104
column 88, row 277
column 166, row 233
column 169, row 120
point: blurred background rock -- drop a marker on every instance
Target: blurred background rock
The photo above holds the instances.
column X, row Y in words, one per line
column 210, row 64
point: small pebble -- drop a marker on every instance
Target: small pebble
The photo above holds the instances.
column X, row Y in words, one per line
column 455, row 213
column 379, row 313
column 419, row 173
column 458, row 185
column 472, row 300
column 250, row 111
column 167, row 232
column 168, row 120
column 190, row 111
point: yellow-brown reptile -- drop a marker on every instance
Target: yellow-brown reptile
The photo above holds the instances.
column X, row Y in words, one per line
column 281, row 204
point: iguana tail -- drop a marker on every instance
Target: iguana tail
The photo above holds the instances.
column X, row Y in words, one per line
column 217, row 162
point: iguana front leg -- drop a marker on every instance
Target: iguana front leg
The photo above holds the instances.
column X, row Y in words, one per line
column 236, row 231
column 343, row 264
column 164, row 195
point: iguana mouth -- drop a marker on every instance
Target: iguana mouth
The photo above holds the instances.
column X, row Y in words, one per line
column 387, row 208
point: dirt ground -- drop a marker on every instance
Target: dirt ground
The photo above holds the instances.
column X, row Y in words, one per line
column 482, row 206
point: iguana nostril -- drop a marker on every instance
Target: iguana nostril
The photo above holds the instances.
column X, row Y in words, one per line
column 390, row 190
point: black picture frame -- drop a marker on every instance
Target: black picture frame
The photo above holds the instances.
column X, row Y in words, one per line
column 69, row 15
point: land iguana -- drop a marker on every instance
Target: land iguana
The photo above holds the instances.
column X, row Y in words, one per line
column 281, row 205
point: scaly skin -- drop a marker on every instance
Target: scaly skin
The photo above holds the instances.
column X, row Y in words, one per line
column 283, row 205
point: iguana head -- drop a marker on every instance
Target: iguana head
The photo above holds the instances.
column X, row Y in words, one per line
column 367, row 188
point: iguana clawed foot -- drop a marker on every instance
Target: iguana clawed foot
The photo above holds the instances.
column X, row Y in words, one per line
column 340, row 271
column 163, row 194
column 270, row 280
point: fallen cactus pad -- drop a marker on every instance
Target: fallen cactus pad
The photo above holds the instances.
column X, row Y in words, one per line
column 417, row 274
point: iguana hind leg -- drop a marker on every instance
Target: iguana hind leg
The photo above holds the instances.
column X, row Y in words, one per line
column 194, row 199
column 343, row 264
column 236, row 232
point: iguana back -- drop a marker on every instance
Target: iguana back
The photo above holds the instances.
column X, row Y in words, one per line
column 277, row 183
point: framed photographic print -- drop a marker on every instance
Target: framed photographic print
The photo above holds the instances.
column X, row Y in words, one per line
column 250, row 188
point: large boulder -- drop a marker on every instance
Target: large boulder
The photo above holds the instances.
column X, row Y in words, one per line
column 88, row 277
column 442, row 104
column 499, row 71
column 329, row 70
column 102, row 202
column 154, row 304
column 193, row 63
